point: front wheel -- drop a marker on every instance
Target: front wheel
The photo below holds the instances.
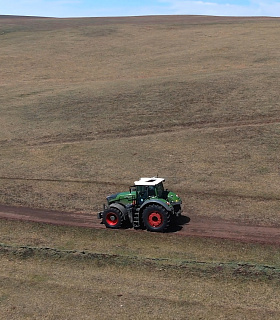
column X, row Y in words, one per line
column 156, row 218
column 112, row 218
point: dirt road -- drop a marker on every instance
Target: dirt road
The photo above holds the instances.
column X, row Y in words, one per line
column 195, row 226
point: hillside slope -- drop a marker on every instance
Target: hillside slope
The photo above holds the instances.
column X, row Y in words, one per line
column 90, row 105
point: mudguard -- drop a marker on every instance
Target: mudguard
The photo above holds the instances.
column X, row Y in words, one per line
column 119, row 207
column 155, row 201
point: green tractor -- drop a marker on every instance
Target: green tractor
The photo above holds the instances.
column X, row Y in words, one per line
column 146, row 204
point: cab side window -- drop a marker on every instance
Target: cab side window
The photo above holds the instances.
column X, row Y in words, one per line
column 151, row 191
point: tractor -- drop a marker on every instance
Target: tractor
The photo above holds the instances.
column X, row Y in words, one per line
column 147, row 204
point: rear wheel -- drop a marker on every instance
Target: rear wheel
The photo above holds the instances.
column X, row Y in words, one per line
column 112, row 218
column 156, row 218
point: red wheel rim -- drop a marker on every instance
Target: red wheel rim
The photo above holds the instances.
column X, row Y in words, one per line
column 112, row 219
column 155, row 219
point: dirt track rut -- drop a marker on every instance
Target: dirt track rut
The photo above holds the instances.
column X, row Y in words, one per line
column 194, row 226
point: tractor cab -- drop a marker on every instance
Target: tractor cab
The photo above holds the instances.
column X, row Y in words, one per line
column 147, row 188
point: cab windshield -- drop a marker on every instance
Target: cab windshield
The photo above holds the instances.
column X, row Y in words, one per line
column 160, row 190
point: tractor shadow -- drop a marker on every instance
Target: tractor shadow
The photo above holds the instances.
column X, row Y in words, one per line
column 178, row 223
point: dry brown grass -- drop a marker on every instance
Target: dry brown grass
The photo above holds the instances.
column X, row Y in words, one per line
column 145, row 276
column 88, row 106
column 173, row 249
column 69, row 290
column 192, row 99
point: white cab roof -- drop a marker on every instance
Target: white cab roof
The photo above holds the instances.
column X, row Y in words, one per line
column 148, row 181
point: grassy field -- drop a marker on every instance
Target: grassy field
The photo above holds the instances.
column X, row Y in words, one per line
column 105, row 101
column 52, row 272
column 90, row 105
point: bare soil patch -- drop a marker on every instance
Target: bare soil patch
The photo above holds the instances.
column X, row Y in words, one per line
column 196, row 226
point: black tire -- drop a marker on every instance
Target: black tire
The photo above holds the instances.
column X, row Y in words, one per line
column 112, row 218
column 156, row 218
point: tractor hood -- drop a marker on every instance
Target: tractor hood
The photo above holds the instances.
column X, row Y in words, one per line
column 173, row 198
column 124, row 197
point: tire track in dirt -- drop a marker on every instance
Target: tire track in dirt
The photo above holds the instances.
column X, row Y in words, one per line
column 197, row 226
